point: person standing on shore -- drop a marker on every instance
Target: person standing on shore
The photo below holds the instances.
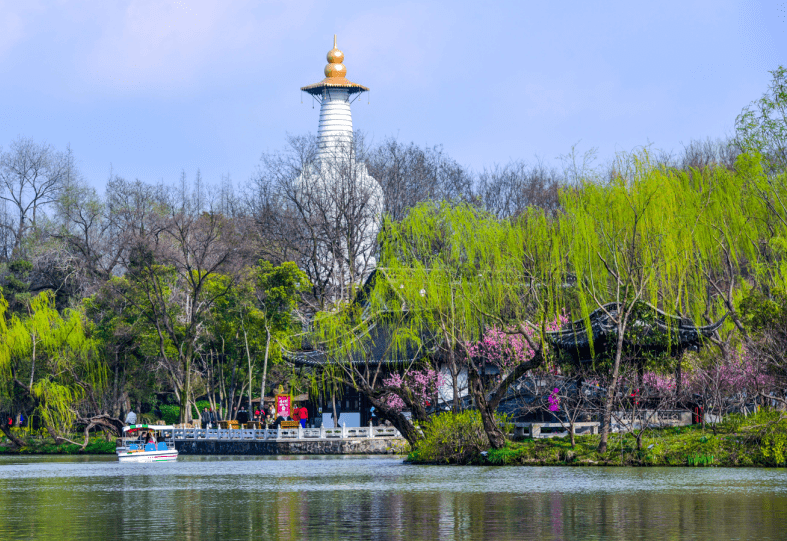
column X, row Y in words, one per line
column 296, row 416
column 205, row 418
column 303, row 413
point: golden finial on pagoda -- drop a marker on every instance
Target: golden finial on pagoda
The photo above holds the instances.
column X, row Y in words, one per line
column 335, row 68
column 335, row 75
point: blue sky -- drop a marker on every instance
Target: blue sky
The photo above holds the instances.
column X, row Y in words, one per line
column 153, row 87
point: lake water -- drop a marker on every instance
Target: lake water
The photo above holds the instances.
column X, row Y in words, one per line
column 346, row 498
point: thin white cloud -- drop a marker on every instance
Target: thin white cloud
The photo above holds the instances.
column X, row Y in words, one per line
column 166, row 47
column 12, row 27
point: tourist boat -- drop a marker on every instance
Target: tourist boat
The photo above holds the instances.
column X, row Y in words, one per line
column 131, row 448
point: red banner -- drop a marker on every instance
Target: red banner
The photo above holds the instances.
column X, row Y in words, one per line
column 283, row 405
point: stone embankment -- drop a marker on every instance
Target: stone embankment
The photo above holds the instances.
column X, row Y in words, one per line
column 358, row 446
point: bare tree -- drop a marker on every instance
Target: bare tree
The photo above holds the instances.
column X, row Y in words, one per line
column 506, row 191
column 410, row 174
column 569, row 399
column 323, row 214
column 31, row 178
column 172, row 279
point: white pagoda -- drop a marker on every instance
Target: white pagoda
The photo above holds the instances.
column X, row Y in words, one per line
column 349, row 196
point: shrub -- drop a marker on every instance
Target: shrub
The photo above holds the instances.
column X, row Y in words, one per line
column 774, row 444
column 170, row 413
column 452, row 439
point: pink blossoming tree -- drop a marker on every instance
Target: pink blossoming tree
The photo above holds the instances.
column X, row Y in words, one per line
column 416, row 389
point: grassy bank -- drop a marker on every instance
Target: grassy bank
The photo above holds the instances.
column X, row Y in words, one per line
column 756, row 440
column 38, row 445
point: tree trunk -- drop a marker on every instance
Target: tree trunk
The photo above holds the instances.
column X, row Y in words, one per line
column 10, row 435
column 335, row 413
column 493, row 432
column 678, row 387
column 572, row 433
column 264, row 372
column 185, row 414
column 400, row 422
column 455, row 384
column 105, row 422
column 607, row 418
column 248, row 357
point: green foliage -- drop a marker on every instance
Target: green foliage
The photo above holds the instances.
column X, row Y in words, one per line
column 504, row 455
column 646, row 235
column 760, row 312
column 278, row 290
column 170, row 413
column 439, row 271
column 48, row 359
column 699, row 460
column 15, row 283
column 451, row 439
column 773, row 446
column 196, row 410
column 97, row 445
column 758, row 439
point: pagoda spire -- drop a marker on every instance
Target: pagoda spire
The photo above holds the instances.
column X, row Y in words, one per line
column 335, row 131
column 335, row 76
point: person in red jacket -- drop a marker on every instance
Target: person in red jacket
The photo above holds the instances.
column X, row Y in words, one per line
column 303, row 413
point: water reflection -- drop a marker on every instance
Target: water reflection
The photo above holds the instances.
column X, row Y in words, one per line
column 289, row 498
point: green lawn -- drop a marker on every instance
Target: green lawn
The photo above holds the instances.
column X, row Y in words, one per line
column 756, row 440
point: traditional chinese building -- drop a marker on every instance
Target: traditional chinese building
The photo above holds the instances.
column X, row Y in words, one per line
column 651, row 330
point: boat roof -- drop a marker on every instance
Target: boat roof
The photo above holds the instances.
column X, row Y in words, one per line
column 148, row 427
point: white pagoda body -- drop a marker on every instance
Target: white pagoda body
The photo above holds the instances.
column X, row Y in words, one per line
column 348, row 197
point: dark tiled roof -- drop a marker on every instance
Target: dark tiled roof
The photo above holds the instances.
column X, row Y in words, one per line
column 681, row 333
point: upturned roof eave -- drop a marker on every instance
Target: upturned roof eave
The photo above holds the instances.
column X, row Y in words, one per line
column 576, row 334
column 334, row 82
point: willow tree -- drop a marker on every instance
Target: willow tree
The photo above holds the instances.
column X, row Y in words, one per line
column 443, row 272
column 49, row 364
column 749, row 275
column 646, row 238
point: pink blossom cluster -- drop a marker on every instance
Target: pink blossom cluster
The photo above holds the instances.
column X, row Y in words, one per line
column 737, row 373
column 740, row 372
column 663, row 383
column 421, row 384
column 504, row 349
column 554, row 400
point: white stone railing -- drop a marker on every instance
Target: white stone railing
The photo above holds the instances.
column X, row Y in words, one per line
column 250, row 434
